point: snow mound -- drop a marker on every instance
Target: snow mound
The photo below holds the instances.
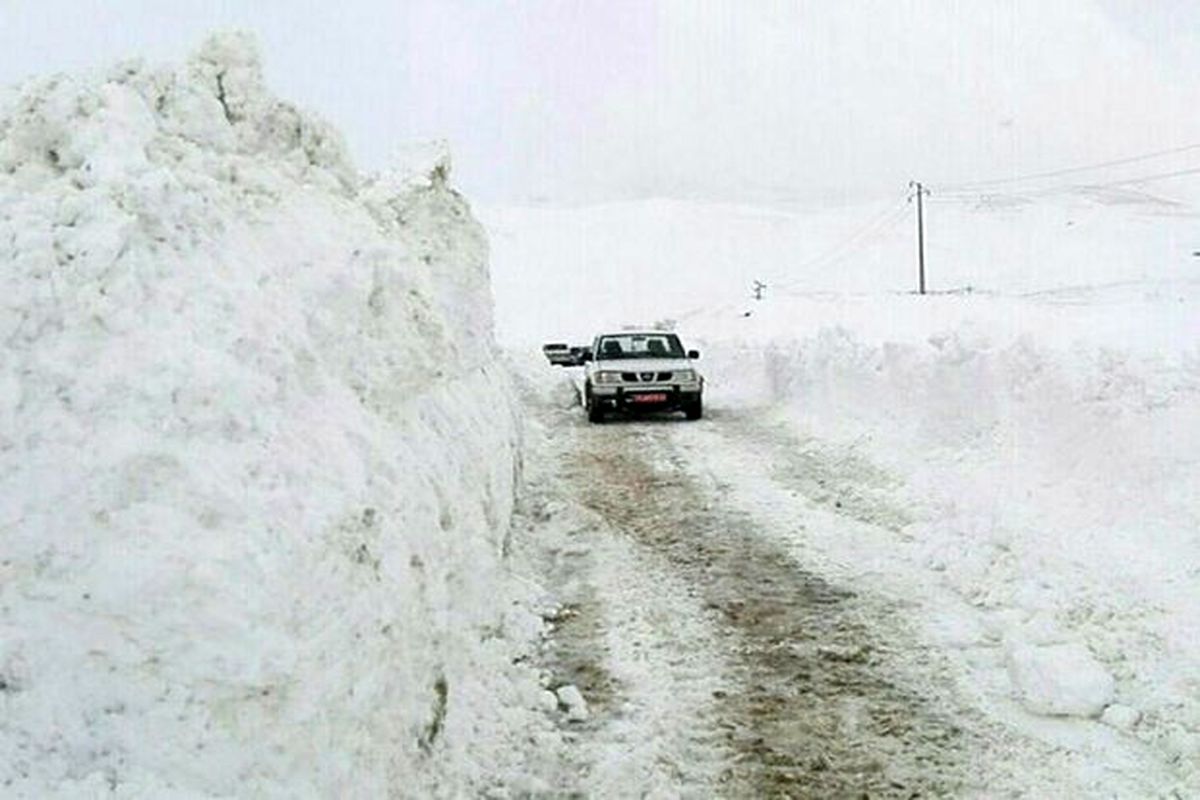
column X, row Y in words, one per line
column 1060, row 680
column 256, row 458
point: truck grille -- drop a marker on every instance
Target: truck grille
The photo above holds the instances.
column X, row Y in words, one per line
column 645, row 377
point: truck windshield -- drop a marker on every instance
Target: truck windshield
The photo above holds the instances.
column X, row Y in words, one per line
column 639, row 345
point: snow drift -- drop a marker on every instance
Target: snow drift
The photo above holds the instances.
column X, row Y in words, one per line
column 256, row 458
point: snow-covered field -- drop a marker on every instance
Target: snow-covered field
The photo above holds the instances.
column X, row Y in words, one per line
column 257, row 459
column 1037, row 419
column 1107, row 266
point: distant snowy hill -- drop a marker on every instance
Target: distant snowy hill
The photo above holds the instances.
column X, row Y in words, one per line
column 637, row 262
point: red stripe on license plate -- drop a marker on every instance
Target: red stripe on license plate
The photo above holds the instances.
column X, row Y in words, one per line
column 648, row 398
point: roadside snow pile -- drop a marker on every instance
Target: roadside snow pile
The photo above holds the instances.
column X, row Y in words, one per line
column 256, row 459
column 1053, row 487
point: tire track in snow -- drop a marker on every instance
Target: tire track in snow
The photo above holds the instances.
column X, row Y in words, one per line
column 830, row 507
column 626, row 630
column 808, row 706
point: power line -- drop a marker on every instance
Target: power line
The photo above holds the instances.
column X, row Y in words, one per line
column 882, row 220
column 890, row 215
column 1071, row 170
column 1046, row 190
column 848, row 248
column 1147, row 178
column 845, row 248
column 879, row 221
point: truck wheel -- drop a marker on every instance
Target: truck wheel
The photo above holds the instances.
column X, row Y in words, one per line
column 594, row 413
column 695, row 410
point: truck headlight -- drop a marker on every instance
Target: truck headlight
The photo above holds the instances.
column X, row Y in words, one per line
column 685, row 375
column 608, row 377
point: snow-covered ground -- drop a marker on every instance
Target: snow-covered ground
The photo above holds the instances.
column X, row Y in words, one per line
column 1037, row 421
column 257, row 459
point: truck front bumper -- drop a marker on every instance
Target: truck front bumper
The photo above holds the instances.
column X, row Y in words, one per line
column 628, row 399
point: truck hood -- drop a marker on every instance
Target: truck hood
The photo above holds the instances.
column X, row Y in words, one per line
column 643, row 364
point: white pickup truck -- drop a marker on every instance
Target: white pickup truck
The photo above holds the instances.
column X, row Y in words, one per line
column 629, row 372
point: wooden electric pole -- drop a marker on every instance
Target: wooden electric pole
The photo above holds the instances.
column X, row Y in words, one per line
column 920, row 192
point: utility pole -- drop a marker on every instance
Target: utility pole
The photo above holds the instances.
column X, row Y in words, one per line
column 920, row 192
column 758, row 290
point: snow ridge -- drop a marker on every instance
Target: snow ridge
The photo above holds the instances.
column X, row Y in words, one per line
column 256, row 457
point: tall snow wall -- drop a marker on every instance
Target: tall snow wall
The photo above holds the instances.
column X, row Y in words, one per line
column 256, row 458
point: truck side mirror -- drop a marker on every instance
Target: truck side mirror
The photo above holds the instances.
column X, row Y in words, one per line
column 693, row 353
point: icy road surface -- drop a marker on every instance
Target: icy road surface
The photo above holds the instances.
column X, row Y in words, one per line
column 721, row 652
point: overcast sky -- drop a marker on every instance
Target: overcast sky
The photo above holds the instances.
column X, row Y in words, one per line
column 732, row 99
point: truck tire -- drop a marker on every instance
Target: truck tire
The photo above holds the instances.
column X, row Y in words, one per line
column 695, row 410
column 594, row 412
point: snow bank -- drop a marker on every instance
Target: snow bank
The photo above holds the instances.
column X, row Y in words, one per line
column 1053, row 485
column 256, row 458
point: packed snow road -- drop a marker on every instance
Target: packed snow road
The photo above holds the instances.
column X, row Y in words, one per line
column 720, row 657
column 791, row 641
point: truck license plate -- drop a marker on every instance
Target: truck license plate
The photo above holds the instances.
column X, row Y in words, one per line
column 657, row 397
